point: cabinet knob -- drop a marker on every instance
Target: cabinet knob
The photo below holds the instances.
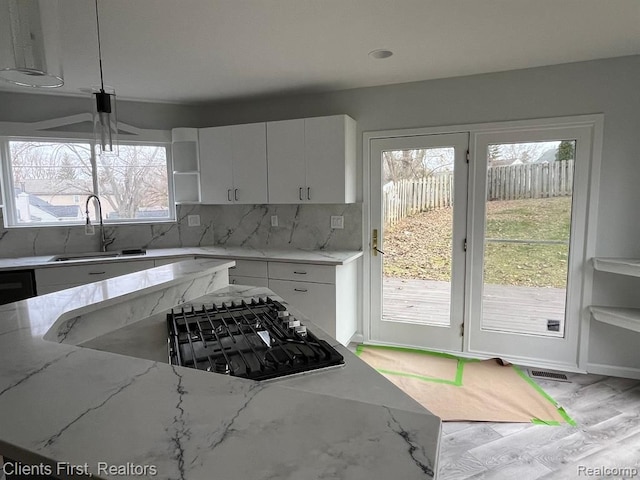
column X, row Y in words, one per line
column 235, row 194
column 308, row 193
column 300, row 193
column 303, row 290
column 229, row 194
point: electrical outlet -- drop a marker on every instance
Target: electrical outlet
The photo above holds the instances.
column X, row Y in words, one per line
column 193, row 220
column 337, row 222
column 274, row 220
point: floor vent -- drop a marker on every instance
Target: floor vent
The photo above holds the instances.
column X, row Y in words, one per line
column 545, row 375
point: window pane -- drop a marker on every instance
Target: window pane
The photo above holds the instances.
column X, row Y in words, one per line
column 50, row 179
column 134, row 185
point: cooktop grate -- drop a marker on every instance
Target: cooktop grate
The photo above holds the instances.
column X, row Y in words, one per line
column 257, row 340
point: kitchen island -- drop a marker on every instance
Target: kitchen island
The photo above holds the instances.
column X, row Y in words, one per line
column 68, row 405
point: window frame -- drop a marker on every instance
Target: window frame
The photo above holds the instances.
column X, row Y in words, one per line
column 7, row 184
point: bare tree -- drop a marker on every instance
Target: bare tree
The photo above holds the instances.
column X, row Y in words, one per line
column 416, row 163
column 136, row 179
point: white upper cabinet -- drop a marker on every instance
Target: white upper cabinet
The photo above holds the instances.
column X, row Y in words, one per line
column 286, row 159
column 312, row 160
column 233, row 164
column 249, row 163
column 330, row 153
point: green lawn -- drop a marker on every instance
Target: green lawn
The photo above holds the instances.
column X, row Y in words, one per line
column 420, row 246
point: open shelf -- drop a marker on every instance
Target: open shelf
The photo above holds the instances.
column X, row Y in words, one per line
column 622, row 266
column 187, row 187
column 627, row 318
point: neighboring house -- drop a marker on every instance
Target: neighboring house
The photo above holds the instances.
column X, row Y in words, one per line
column 31, row 208
column 548, row 156
column 62, row 193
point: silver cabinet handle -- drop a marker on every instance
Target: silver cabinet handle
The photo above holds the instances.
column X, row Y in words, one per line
column 229, row 194
column 299, row 273
column 303, row 290
column 300, row 193
column 97, row 273
column 308, row 193
column 235, row 194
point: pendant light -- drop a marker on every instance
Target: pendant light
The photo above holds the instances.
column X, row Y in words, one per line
column 30, row 43
column 105, row 124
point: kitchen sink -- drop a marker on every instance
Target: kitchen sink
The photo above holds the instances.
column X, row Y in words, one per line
column 97, row 255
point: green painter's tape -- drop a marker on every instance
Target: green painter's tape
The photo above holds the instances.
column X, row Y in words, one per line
column 537, row 421
column 539, row 389
column 418, row 377
column 457, row 381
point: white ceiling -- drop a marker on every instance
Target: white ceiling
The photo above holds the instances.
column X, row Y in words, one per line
column 206, row 50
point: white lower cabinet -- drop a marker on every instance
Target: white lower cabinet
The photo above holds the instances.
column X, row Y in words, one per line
column 53, row 279
column 326, row 294
column 249, row 272
column 316, row 300
column 251, row 281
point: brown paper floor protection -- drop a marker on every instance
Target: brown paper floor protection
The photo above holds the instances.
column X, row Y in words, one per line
column 458, row 389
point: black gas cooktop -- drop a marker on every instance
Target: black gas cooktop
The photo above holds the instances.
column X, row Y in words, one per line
column 257, row 340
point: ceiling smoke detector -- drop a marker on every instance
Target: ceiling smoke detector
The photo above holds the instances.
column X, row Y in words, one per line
column 380, row 54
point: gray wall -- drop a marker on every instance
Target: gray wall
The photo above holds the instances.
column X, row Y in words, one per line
column 607, row 86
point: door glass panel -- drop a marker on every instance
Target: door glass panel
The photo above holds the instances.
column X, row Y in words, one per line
column 417, row 202
column 526, row 245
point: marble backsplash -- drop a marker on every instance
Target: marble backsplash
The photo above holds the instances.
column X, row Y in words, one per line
column 301, row 226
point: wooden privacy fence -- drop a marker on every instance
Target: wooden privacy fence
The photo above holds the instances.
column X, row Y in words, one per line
column 505, row 182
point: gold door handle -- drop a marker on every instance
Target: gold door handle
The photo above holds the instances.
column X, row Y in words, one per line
column 374, row 243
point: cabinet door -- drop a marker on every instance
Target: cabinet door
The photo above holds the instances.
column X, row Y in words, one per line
column 216, row 172
column 249, row 145
column 317, row 301
column 330, row 159
column 285, row 153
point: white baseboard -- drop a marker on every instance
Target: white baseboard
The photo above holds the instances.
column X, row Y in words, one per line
column 613, row 371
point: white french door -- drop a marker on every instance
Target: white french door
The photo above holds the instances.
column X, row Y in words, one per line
column 485, row 256
column 411, row 271
column 526, row 237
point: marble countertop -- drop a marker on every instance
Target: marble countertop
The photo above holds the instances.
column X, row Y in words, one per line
column 100, row 410
column 292, row 255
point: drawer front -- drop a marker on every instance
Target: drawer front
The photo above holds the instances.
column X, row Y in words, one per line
column 249, row 268
column 302, row 272
column 315, row 300
column 82, row 274
column 253, row 281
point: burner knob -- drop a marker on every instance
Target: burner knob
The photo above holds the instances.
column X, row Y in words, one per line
column 220, row 365
column 293, row 323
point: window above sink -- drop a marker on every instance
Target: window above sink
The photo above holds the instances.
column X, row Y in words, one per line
column 48, row 168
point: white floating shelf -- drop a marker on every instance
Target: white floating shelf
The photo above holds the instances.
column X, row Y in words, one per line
column 628, row 318
column 622, row 266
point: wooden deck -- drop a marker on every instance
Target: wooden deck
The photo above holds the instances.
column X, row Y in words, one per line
column 505, row 308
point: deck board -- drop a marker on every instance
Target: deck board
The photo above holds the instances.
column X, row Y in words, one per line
column 505, row 307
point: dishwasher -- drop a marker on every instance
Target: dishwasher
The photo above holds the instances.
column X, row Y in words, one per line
column 16, row 285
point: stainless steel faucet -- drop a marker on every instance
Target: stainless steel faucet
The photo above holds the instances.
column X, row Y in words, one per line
column 104, row 241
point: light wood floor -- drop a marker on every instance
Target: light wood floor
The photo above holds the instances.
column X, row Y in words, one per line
column 606, row 409
column 505, row 307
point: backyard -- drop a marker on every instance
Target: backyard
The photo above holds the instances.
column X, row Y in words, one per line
column 419, row 246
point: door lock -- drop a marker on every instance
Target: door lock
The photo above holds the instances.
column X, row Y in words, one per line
column 374, row 243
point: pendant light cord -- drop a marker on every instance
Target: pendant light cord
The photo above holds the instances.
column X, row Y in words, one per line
column 99, row 49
